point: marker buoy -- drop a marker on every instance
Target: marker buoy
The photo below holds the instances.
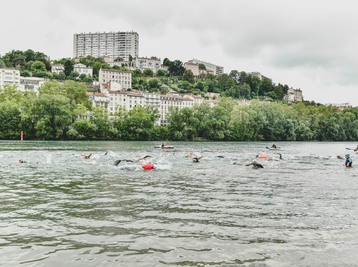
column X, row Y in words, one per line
column 148, row 167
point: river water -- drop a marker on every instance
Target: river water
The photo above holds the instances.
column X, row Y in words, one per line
column 59, row 209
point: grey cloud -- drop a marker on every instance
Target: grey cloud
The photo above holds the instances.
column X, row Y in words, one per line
column 310, row 40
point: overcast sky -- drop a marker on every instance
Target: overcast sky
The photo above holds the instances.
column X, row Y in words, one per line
column 307, row 44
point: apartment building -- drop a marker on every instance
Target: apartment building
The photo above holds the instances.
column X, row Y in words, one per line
column 125, row 100
column 9, row 76
column 106, row 76
column 115, row 45
column 215, row 69
column 30, row 84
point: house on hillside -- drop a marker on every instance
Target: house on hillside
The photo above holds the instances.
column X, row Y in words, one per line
column 293, row 95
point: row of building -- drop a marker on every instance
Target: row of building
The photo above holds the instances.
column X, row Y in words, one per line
column 114, row 101
column 143, row 63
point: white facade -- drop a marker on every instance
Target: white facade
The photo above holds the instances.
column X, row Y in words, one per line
column 217, row 70
column 170, row 101
column 152, row 100
column 293, row 95
column 98, row 99
column 106, row 76
column 30, row 84
column 143, row 63
column 57, row 68
column 125, row 100
column 83, row 69
column 9, row 76
column 106, row 44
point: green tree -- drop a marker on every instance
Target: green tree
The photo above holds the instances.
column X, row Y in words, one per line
column 153, row 85
column 2, row 64
column 10, row 93
column 202, row 66
column 148, row 73
column 83, row 129
column 25, row 73
column 176, row 68
column 38, row 69
column 188, row 76
column 10, row 118
column 136, row 73
column 52, row 116
column 68, row 65
column 245, row 91
column 162, row 73
column 266, row 86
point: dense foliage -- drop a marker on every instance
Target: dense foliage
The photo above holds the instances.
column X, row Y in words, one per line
column 62, row 111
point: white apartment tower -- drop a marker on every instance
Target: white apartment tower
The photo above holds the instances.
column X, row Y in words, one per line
column 106, row 44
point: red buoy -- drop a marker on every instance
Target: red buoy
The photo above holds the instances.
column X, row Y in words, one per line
column 148, row 167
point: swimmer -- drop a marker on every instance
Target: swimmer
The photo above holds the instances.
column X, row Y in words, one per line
column 280, row 155
column 22, row 161
column 86, row 156
column 272, row 147
column 349, row 161
column 117, row 162
column 120, row 160
column 141, row 158
column 196, row 159
column 255, row 165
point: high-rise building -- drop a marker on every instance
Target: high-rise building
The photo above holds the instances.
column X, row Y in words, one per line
column 115, row 45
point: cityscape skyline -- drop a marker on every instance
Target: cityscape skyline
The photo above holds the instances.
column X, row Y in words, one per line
column 305, row 45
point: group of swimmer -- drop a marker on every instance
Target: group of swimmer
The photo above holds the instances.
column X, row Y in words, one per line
column 348, row 160
column 196, row 157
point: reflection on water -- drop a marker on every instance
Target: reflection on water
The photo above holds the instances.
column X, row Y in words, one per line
column 59, row 209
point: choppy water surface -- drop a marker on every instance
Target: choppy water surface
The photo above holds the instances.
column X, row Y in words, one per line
column 59, row 209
